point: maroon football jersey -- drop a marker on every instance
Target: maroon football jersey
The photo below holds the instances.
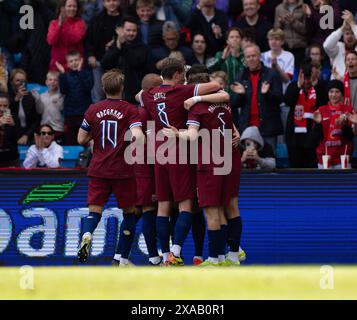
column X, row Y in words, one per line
column 143, row 170
column 211, row 117
column 165, row 104
column 108, row 121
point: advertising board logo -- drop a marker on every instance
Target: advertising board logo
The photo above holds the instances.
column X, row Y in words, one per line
column 48, row 193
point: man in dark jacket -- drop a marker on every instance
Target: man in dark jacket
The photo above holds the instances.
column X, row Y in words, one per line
column 171, row 38
column 131, row 56
column 212, row 23
column 99, row 38
column 303, row 97
column 258, row 93
column 257, row 24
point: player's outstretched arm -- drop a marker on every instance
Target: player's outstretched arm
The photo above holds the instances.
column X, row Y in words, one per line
column 218, row 97
column 83, row 137
column 209, row 87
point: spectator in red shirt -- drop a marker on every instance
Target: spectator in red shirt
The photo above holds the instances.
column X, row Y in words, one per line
column 258, row 92
column 66, row 33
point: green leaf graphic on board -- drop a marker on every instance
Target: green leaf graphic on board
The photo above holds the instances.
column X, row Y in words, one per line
column 49, row 192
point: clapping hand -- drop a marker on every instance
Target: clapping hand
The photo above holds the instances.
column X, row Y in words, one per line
column 238, row 88
column 217, row 31
column 265, row 87
column 60, row 67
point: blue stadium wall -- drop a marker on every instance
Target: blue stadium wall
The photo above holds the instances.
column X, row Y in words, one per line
column 289, row 217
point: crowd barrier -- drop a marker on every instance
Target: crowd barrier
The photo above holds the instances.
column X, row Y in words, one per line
column 289, row 217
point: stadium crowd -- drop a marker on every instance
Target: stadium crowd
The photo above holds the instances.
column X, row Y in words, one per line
column 290, row 79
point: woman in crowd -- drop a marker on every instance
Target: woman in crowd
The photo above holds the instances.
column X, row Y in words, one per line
column 66, row 33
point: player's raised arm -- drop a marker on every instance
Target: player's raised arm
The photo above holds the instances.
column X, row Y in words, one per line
column 209, row 87
column 218, row 97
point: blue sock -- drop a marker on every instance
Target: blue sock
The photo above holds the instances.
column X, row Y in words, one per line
column 223, row 240
column 213, row 243
column 163, row 233
column 198, row 232
column 120, row 242
column 91, row 222
column 182, row 228
column 234, row 233
column 128, row 234
column 149, row 232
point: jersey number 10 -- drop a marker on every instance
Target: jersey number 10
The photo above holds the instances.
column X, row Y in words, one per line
column 109, row 131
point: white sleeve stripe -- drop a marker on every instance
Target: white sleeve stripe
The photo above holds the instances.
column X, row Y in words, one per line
column 135, row 124
column 196, row 123
column 195, row 92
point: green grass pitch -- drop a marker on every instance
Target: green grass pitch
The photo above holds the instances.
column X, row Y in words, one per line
column 193, row 283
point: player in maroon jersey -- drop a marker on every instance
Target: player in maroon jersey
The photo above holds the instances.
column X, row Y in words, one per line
column 216, row 193
column 146, row 203
column 107, row 122
column 174, row 181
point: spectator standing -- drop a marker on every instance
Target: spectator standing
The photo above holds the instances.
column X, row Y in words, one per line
column 333, row 132
column 23, row 107
column 283, row 62
column 130, row 55
column 9, row 155
column 290, row 17
column 99, row 38
column 258, row 92
column 150, row 27
column 256, row 154
column 76, row 84
column 66, row 33
column 199, row 49
column 173, row 10
column 211, row 22
column 45, row 153
column 313, row 19
column 36, row 51
column 303, row 97
column 50, row 106
column 231, row 59
column 336, row 50
column 316, row 53
column 171, row 38
column 255, row 23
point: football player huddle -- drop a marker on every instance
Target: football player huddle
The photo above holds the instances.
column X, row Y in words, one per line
column 183, row 165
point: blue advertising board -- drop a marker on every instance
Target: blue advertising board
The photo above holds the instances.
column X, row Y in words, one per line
column 288, row 217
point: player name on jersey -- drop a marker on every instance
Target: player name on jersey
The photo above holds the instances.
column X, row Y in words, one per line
column 109, row 112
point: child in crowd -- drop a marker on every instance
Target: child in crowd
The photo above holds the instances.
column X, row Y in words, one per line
column 150, row 27
column 76, row 85
column 278, row 59
column 50, row 105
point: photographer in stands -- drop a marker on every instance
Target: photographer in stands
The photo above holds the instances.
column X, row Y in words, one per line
column 256, row 154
